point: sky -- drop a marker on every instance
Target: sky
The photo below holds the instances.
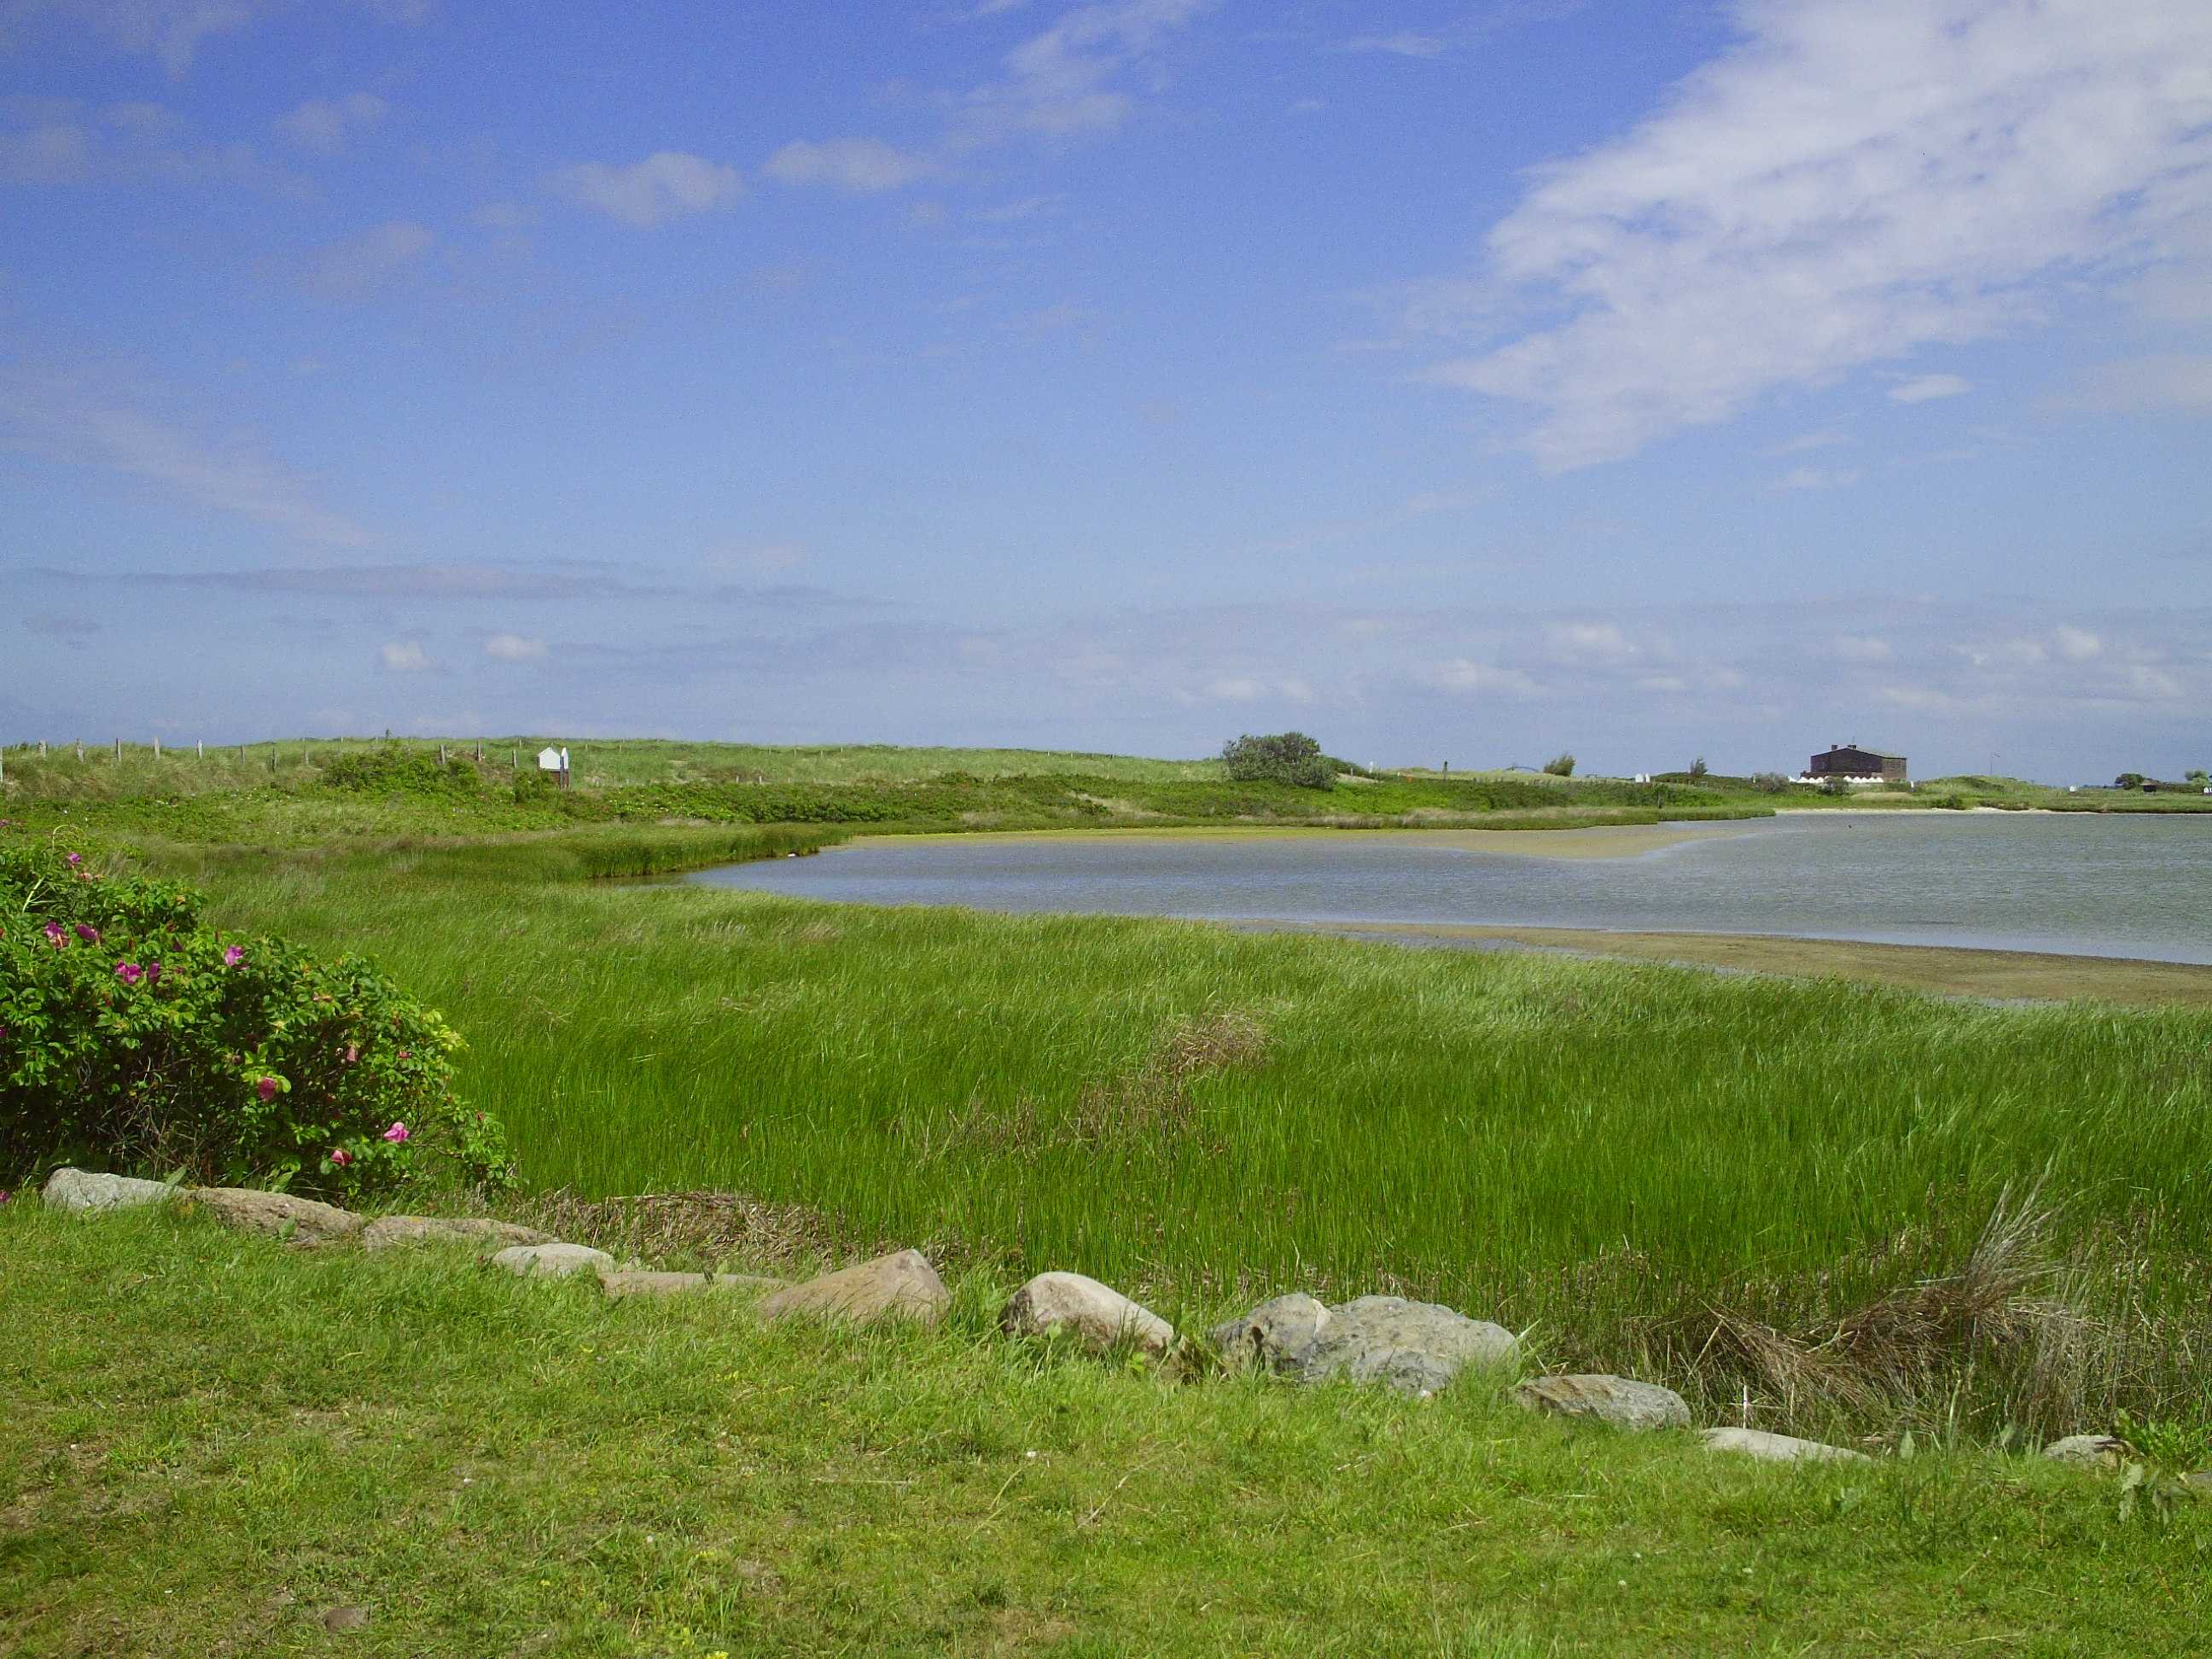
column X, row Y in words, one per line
column 1455, row 382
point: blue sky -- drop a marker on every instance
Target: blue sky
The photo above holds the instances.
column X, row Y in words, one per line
column 1453, row 381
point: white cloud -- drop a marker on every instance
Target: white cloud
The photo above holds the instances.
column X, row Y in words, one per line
column 2078, row 644
column 360, row 267
column 513, row 647
column 1402, row 44
column 1926, row 388
column 322, row 124
column 649, row 192
column 1060, row 83
column 1850, row 181
column 1805, row 443
column 172, row 30
column 82, row 424
column 403, row 657
column 1818, row 477
column 1583, row 639
column 2147, row 385
column 1460, row 674
column 1233, row 689
column 1860, row 647
column 857, row 164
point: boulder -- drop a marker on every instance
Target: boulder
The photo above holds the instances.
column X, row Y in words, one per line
column 389, row 1231
column 1275, row 1336
column 1416, row 1347
column 902, row 1284
column 88, row 1194
column 1778, row 1447
column 1620, row 1400
column 554, row 1261
column 636, row 1281
column 1096, row 1315
column 2095, row 1451
column 296, row 1221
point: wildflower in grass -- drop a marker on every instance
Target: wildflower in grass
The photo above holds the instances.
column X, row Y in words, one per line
column 75, row 858
column 266, row 1088
column 396, row 1134
column 88, row 933
column 406, row 1054
column 58, row 936
column 233, row 955
column 129, row 972
column 341, row 1157
column 152, row 973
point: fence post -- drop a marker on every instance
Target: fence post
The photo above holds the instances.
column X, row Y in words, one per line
column 157, row 749
column 118, row 749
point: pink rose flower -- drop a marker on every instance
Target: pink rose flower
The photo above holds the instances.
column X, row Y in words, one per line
column 396, row 1134
column 76, row 859
column 233, row 955
column 88, row 933
column 129, row 972
column 152, row 973
column 406, row 1054
column 341, row 1157
column 266, row 1088
column 353, row 1053
column 58, row 936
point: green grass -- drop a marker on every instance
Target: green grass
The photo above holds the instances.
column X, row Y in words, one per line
column 213, row 1445
column 1604, row 1153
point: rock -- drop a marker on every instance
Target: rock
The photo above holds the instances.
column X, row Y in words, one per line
column 388, row 1231
column 1414, row 1347
column 903, row 1284
column 2096, row 1451
column 636, row 1281
column 1778, row 1447
column 554, row 1261
column 1097, row 1315
column 1277, row 1335
column 342, row 1619
column 88, row 1194
column 1620, row 1400
column 296, row 1221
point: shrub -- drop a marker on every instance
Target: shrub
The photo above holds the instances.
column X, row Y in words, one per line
column 1284, row 757
column 1697, row 768
column 1769, row 783
column 1835, row 784
column 1560, row 766
column 133, row 1036
column 395, row 770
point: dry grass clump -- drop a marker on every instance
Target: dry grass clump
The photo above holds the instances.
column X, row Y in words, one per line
column 669, row 1229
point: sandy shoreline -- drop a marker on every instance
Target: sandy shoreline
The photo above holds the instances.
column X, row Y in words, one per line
column 1947, row 970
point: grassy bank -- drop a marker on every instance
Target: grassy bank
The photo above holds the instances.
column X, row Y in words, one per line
column 215, row 1446
column 1648, row 1166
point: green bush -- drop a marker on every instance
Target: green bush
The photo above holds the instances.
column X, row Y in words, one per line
column 1283, row 757
column 135, row 1036
column 1563, row 766
column 396, row 770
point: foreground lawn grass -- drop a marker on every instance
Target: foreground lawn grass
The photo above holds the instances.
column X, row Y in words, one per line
column 214, row 1445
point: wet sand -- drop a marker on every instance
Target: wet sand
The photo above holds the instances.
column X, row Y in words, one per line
column 2000, row 976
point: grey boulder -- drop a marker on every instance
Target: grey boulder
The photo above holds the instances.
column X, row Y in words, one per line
column 1620, row 1400
column 296, row 1221
column 901, row 1284
column 1416, row 1347
column 88, row 1194
column 554, row 1261
column 1097, row 1315
column 1778, row 1447
column 390, row 1231
column 2100, row 1451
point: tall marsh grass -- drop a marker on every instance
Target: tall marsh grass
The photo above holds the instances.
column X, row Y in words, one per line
column 1632, row 1160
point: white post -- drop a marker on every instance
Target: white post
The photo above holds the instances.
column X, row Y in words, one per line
column 157, row 749
column 199, row 749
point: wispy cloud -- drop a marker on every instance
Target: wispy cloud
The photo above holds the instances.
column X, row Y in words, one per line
column 664, row 186
column 322, row 124
column 859, row 166
column 1851, row 181
column 1067, row 81
column 404, row 656
column 172, row 31
column 1818, row 477
column 513, row 647
column 1926, row 388
column 70, row 419
column 358, row 268
column 2146, row 385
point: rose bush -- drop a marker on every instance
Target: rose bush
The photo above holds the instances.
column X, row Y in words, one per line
column 133, row 1036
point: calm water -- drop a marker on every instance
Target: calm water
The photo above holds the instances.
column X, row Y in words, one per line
column 2134, row 886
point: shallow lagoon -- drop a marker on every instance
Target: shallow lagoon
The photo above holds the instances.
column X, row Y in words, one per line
column 2136, row 886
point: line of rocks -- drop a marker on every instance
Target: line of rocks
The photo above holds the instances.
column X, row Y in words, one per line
column 1417, row 1348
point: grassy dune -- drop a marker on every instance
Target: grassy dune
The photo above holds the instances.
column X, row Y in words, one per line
column 1606, row 1152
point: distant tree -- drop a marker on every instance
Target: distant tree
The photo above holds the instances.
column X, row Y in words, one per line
column 2198, row 776
column 1698, row 767
column 1282, row 757
column 1560, row 766
column 2129, row 781
column 1768, row 783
